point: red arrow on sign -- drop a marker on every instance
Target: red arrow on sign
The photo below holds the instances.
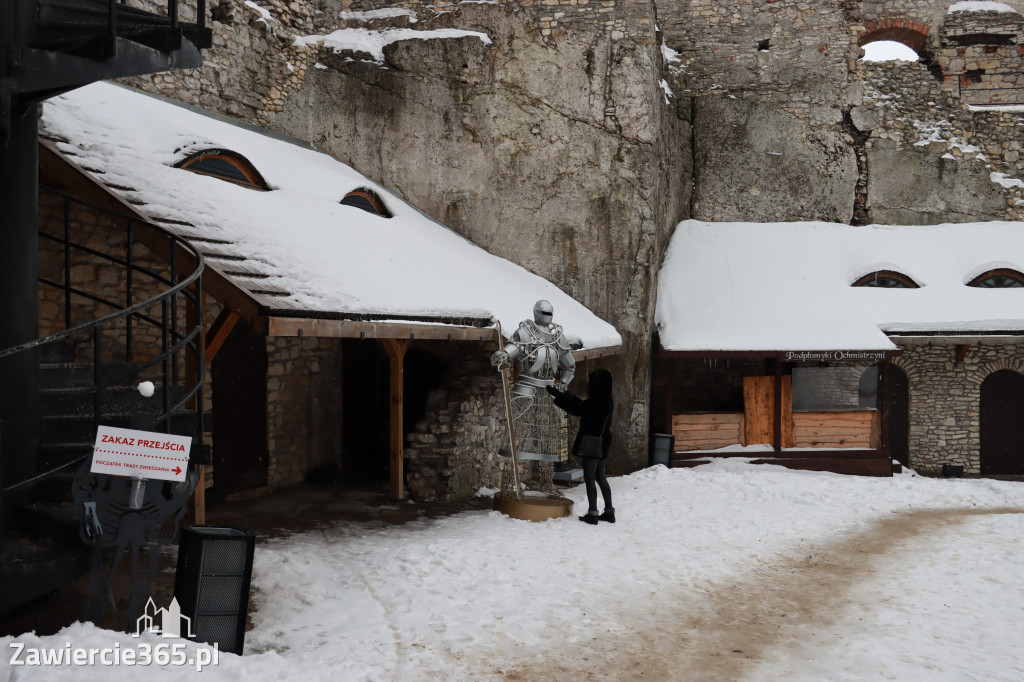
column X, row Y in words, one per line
column 176, row 471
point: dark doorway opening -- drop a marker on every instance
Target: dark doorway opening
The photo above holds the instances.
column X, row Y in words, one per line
column 899, row 415
column 239, row 370
column 364, row 396
column 1002, row 423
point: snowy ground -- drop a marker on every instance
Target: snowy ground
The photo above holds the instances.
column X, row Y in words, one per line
column 724, row 572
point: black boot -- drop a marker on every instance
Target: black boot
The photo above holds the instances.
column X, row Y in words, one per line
column 589, row 518
column 608, row 515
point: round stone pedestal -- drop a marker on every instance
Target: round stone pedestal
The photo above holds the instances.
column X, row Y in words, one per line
column 533, row 507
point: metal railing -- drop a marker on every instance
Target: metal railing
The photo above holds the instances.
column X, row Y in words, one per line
column 158, row 337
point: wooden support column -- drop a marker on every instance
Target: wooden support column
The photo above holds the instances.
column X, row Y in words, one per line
column 213, row 339
column 883, row 405
column 777, row 417
column 196, row 310
column 396, row 349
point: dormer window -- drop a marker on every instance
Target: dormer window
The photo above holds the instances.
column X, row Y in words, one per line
column 367, row 200
column 887, row 279
column 1002, row 278
column 225, row 165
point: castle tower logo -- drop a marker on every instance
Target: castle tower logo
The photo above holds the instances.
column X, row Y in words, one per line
column 165, row 622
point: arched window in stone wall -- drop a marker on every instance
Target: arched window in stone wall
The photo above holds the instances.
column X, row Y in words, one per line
column 225, row 165
column 912, row 34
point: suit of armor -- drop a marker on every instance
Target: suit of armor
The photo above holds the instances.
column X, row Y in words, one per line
column 542, row 351
column 545, row 359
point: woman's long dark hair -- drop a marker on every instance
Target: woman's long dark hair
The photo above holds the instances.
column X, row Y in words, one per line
column 599, row 387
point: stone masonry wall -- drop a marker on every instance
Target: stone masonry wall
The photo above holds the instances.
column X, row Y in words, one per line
column 452, row 451
column 945, row 400
column 97, row 231
column 303, row 407
column 932, row 159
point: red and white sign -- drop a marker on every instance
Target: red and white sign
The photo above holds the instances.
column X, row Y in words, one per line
column 126, row 452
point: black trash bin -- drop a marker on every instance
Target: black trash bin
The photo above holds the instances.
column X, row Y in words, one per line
column 212, row 583
column 661, row 449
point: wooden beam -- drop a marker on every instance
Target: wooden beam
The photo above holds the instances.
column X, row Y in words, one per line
column 219, row 332
column 357, row 329
column 396, row 349
column 200, row 497
column 591, row 353
column 961, row 351
column 777, row 411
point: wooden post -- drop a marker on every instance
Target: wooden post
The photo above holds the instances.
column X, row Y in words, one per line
column 218, row 333
column 396, row 349
column 197, row 311
column 883, row 405
column 777, row 416
column 212, row 339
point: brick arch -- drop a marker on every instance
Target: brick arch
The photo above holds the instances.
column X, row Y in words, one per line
column 911, row 33
column 908, row 366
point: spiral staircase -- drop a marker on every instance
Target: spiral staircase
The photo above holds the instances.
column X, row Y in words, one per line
column 139, row 320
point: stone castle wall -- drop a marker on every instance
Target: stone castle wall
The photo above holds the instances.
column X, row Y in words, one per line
column 97, row 231
column 452, row 451
column 303, row 407
column 577, row 137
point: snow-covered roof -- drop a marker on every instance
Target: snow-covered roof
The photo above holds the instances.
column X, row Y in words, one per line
column 787, row 286
column 315, row 256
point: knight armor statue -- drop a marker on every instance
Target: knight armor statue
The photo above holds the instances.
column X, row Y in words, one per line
column 543, row 353
column 545, row 359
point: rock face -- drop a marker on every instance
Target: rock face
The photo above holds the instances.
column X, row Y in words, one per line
column 787, row 170
column 548, row 152
column 570, row 136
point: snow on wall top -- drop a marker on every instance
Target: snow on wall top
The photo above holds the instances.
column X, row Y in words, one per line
column 980, row 6
column 373, row 42
column 331, row 258
column 786, row 286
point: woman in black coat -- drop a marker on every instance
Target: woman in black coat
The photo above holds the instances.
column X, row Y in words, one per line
column 595, row 413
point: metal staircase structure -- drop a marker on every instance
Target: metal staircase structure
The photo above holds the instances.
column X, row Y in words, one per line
column 88, row 375
column 55, row 390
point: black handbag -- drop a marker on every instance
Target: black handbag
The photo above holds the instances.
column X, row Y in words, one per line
column 592, row 447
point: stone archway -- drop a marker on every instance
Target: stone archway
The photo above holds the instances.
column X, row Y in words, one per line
column 1002, row 423
column 911, row 33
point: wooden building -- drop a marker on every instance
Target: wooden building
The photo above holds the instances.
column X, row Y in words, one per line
column 342, row 324
column 840, row 348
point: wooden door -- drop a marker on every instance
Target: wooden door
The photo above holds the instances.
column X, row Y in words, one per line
column 1002, row 423
column 759, row 410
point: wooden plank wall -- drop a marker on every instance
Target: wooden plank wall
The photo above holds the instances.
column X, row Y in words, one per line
column 855, row 429
column 707, row 431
